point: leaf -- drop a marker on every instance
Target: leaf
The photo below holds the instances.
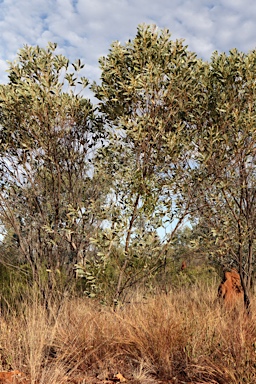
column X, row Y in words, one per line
column 119, row 377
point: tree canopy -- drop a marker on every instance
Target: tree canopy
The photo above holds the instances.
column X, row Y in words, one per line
column 107, row 187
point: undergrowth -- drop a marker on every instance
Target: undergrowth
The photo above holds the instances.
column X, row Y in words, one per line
column 184, row 336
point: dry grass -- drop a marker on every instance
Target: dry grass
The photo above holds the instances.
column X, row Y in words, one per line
column 183, row 337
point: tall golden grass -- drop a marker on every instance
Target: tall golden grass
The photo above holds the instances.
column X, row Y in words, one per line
column 184, row 336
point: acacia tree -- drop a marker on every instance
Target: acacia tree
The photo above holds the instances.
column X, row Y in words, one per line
column 149, row 92
column 48, row 134
column 226, row 148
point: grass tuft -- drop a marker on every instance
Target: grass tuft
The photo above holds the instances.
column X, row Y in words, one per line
column 184, row 337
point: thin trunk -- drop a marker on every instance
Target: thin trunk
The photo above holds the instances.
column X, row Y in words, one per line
column 247, row 303
column 250, row 266
column 119, row 288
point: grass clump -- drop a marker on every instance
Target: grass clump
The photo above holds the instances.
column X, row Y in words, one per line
column 184, row 337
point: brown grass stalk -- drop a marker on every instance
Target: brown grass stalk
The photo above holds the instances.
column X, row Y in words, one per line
column 183, row 337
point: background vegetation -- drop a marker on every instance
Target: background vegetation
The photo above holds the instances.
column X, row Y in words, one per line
column 103, row 201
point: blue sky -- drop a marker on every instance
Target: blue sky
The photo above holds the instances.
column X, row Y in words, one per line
column 85, row 28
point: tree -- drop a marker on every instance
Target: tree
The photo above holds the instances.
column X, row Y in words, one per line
column 226, row 155
column 48, row 137
column 149, row 92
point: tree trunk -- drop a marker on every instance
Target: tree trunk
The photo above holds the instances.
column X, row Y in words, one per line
column 119, row 288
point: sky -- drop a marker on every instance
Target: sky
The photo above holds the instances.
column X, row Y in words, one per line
column 85, row 29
